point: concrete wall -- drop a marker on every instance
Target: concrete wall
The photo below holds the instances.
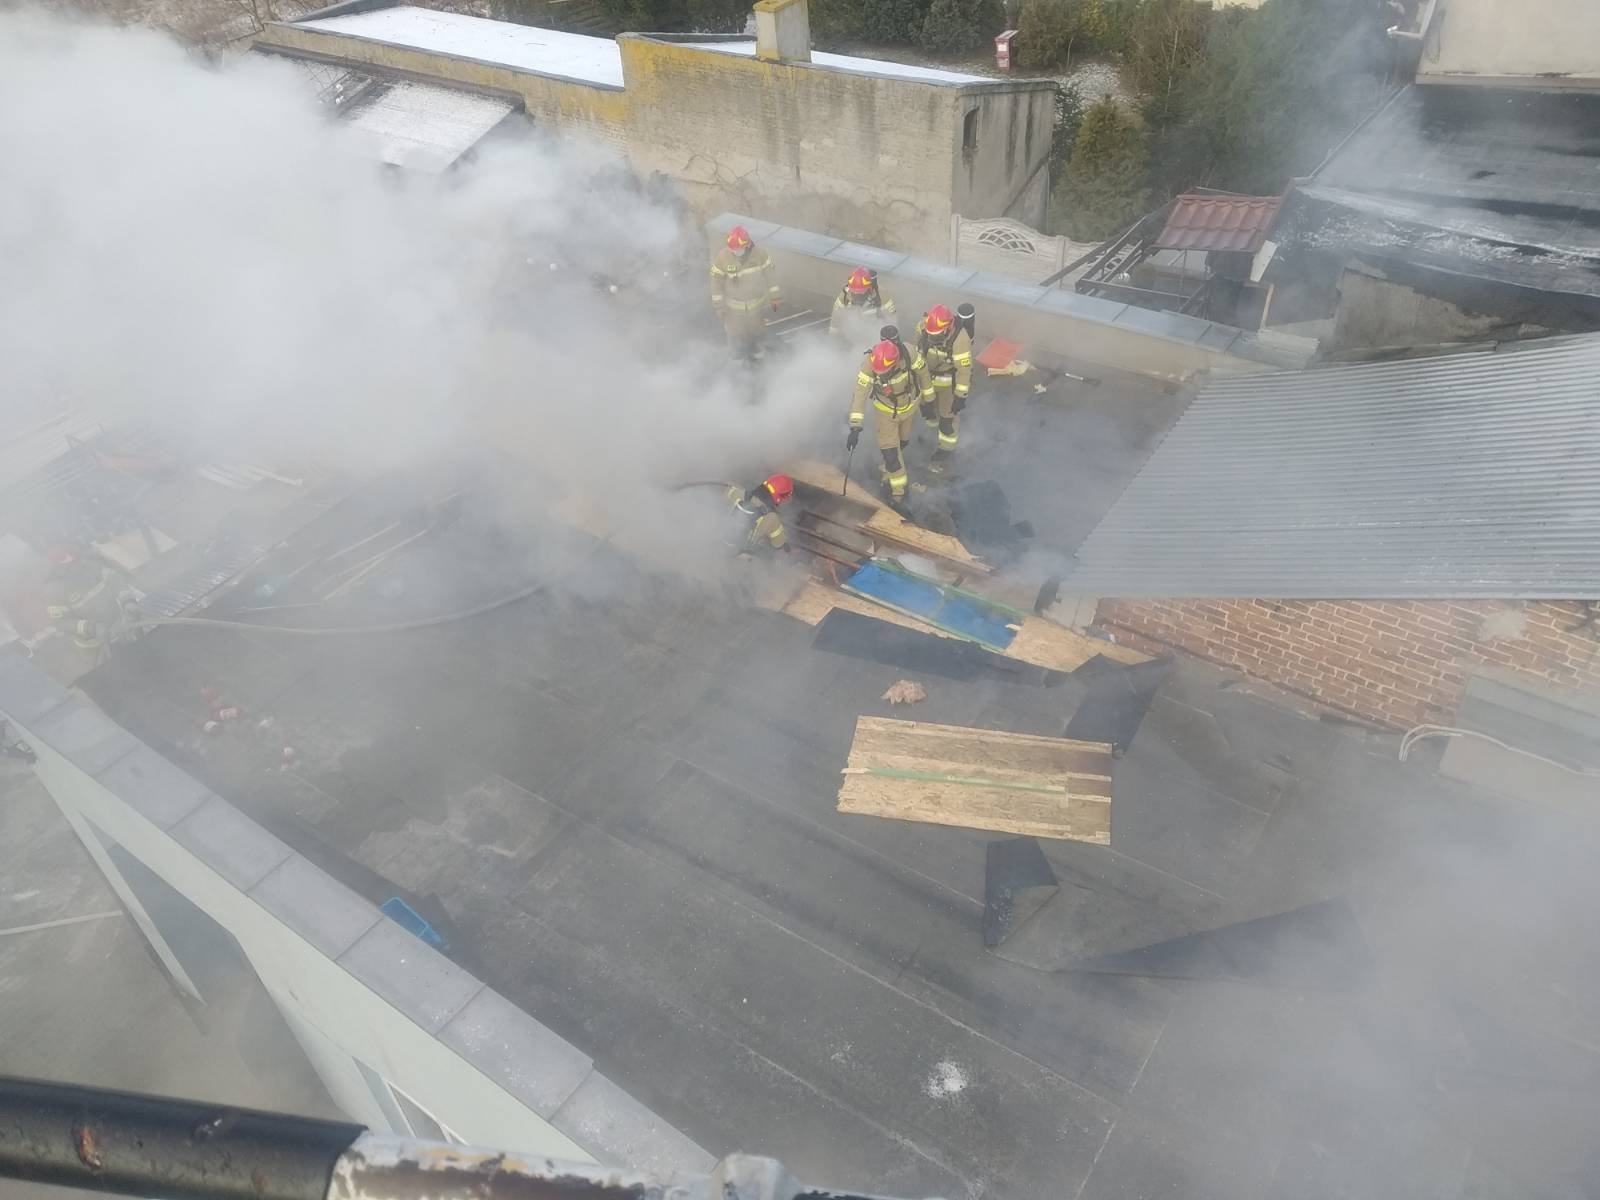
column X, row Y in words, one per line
column 596, row 111
column 866, row 156
column 1399, row 663
column 353, row 986
column 1541, row 43
column 1007, row 174
column 860, row 156
column 1044, row 320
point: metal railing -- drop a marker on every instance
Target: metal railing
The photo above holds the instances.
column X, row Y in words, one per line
column 135, row 1145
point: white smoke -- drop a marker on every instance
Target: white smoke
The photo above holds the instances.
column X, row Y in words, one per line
column 208, row 252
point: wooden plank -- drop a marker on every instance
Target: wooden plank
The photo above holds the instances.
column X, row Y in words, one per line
column 1056, row 648
column 979, row 779
column 1002, row 811
column 830, row 479
column 1040, row 640
column 889, row 526
column 982, row 747
column 880, row 521
column 1078, row 783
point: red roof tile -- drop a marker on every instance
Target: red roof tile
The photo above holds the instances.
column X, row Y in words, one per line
column 1200, row 221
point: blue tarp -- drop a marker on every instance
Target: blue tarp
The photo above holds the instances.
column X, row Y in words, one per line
column 965, row 616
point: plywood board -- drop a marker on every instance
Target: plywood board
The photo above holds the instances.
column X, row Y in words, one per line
column 979, row 779
column 883, row 523
column 1039, row 642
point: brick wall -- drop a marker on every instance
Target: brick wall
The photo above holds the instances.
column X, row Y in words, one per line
column 1400, row 663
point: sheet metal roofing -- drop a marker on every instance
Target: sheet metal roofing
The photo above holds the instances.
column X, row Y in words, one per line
column 1474, row 475
column 1206, row 222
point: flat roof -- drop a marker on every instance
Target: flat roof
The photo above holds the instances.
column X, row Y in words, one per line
column 576, row 56
column 424, row 127
column 622, row 791
column 1494, row 183
column 849, row 62
column 523, row 47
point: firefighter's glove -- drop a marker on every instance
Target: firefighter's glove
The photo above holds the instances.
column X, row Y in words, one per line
column 958, row 404
column 774, row 306
column 854, row 440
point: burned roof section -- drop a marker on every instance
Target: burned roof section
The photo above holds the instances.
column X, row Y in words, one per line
column 1489, row 183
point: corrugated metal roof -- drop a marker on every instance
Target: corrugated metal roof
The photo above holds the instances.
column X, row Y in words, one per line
column 1201, row 221
column 1471, row 475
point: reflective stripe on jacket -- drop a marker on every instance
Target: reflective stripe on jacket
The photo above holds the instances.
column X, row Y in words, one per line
column 744, row 283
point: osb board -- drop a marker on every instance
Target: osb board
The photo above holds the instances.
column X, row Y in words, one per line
column 1039, row 642
column 886, row 524
column 1076, row 807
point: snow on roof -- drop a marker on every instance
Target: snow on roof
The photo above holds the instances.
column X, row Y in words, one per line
column 552, row 52
column 522, row 47
column 846, row 62
column 426, row 128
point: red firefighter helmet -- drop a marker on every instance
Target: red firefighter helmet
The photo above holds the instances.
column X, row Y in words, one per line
column 779, row 487
column 938, row 320
column 739, row 239
column 860, row 282
column 885, row 357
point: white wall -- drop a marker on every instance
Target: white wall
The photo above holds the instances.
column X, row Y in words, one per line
column 357, row 991
column 315, row 993
column 1546, row 43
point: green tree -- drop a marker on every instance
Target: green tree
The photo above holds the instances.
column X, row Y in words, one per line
column 1046, row 31
column 893, row 22
column 1166, row 43
column 960, row 26
column 1272, row 92
column 1103, row 190
column 1069, row 115
column 834, row 21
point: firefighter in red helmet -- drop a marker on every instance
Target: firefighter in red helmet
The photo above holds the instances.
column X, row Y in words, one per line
column 756, row 523
column 744, row 284
column 946, row 347
column 860, row 308
column 891, row 379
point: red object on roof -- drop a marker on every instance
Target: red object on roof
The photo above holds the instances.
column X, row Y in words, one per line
column 1206, row 221
column 998, row 354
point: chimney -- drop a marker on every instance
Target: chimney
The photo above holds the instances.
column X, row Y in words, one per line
column 783, row 30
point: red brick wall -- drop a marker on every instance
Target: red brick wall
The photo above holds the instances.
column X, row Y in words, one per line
column 1400, row 663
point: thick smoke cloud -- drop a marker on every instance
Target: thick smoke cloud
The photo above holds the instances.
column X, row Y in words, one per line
column 206, row 251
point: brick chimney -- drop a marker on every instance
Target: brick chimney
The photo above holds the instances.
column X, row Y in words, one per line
column 783, row 30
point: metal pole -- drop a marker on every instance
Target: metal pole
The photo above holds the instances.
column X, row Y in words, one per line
column 108, row 1141
column 147, row 1146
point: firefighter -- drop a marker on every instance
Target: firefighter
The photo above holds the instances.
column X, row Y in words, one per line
column 756, row 523
column 743, row 283
column 81, row 601
column 860, row 307
column 892, row 378
column 946, row 346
